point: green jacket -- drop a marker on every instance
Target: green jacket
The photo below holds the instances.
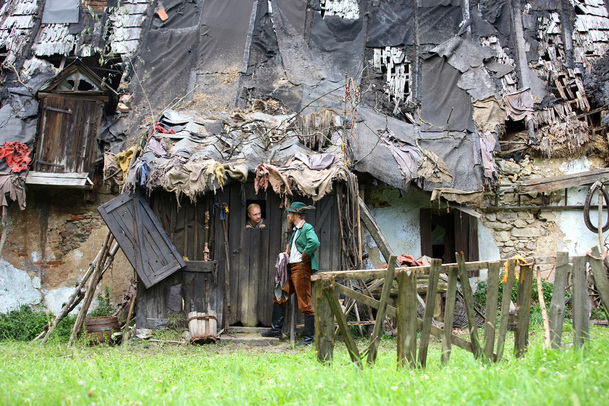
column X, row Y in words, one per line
column 308, row 242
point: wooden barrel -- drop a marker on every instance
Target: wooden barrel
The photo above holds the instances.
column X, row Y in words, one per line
column 202, row 327
column 100, row 329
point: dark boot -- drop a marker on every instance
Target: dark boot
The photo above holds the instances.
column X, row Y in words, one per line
column 309, row 330
column 276, row 322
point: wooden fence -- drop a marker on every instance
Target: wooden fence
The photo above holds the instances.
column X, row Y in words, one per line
column 327, row 286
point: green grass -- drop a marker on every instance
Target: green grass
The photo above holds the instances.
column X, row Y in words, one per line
column 155, row 374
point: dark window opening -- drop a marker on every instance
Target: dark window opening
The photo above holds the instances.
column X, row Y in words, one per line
column 261, row 203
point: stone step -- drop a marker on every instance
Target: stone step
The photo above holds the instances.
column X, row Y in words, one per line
column 247, row 339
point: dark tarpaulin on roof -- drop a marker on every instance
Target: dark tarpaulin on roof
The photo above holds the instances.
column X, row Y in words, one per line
column 442, row 99
column 459, row 150
column 61, row 11
column 391, row 24
column 182, row 14
column 339, row 43
column 295, row 12
column 225, row 26
column 437, row 24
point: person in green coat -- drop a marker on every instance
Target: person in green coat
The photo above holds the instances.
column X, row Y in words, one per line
column 302, row 262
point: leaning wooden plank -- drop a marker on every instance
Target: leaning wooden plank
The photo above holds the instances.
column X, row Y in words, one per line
column 342, row 324
column 391, row 312
column 374, row 230
column 490, row 321
column 324, row 323
column 557, row 306
column 449, row 315
column 505, row 308
column 523, row 310
column 581, row 302
column 468, row 298
column 380, row 314
column 600, row 276
column 406, row 319
column 432, row 287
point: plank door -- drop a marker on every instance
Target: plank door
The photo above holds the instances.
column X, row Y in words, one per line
column 141, row 237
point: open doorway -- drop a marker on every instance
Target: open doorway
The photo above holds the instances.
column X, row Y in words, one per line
column 444, row 233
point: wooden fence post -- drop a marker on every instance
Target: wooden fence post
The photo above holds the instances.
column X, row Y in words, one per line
column 490, row 322
column 505, row 308
column 449, row 315
column 430, row 301
column 523, row 310
column 407, row 318
column 380, row 314
column 599, row 275
column 581, row 302
column 468, row 298
column 342, row 323
column 557, row 306
column 324, row 323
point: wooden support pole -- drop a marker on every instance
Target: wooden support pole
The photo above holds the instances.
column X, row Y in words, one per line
column 523, row 310
column 581, row 302
column 449, row 315
column 342, row 324
column 599, row 274
column 468, row 298
column 505, row 308
column 324, row 323
column 557, row 306
column 380, row 314
column 125, row 337
column 432, row 288
column 407, row 319
column 490, row 321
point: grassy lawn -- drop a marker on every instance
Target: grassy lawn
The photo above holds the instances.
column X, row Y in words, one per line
column 155, row 374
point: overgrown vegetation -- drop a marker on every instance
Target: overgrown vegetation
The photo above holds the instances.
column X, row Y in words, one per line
column 104, row 308
column 148, row 373
column 25, row 323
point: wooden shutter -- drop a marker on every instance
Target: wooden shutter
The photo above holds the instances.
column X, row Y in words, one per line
column 141, row 237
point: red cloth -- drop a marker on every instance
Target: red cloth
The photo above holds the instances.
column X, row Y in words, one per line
column 17, row 155
column 407, row 260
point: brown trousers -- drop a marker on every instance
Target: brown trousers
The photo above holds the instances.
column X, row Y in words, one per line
column 300, row 283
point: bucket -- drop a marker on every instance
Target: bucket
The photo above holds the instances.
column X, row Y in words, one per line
column 202, row 327
column 100, row 329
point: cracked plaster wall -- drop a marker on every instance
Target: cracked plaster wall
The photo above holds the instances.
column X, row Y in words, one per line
column 48, row 250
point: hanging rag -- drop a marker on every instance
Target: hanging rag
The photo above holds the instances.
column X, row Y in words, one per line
column 281, row 277
column 16, row 154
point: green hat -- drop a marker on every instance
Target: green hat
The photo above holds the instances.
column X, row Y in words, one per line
column 299, row 207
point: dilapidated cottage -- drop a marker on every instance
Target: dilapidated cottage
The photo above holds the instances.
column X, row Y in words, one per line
column 472, row 126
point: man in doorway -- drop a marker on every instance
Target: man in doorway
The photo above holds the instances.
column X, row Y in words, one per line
column 302, row 262
column 254, row 214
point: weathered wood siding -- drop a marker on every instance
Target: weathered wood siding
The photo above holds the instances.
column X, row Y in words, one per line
column 68, row 129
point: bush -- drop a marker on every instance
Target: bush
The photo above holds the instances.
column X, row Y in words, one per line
column 104, row 308
column 25, row 323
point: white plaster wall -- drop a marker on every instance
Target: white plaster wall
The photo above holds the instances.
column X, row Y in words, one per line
column 17, row 288
column 487, row 251
column 398, row 218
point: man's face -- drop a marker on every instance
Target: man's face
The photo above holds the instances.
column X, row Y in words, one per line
column 291, row 218
column 255, row 215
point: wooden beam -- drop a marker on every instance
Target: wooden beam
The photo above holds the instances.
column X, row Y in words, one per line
column 548, row 184
column 557, row 306
column 374, row 230
column 407, row 319
column 523, row 310
column 380, row 314
column 599, row 275
column 490, row 322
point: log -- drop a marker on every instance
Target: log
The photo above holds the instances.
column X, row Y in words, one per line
column 432, row 288
column 505, row 308
column 380, row 314
column 557, row 306
column 490, row 321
